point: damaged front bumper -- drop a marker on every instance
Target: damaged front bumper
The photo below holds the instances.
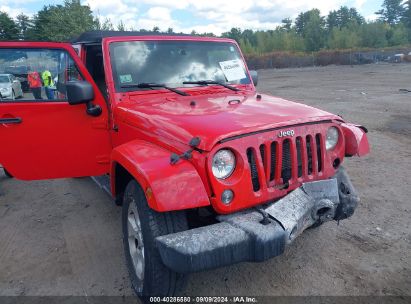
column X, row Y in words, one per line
column 246, row 236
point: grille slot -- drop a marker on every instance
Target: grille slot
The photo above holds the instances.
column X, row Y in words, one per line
column 309, row 155
column 273, row 160
column 299, row 147
column 319, row 159
column 253, row 168
column 262, row 153
column 286, row 164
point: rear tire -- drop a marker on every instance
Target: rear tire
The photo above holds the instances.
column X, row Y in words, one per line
column 141, row 225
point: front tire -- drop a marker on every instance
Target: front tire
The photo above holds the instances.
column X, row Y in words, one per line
column 141, row 225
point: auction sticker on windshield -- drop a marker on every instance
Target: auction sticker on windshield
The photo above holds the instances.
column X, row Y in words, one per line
column 126, row 78
column 232, row 69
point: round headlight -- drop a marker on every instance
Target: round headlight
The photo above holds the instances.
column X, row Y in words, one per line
column 223, row 164
column 332, row 138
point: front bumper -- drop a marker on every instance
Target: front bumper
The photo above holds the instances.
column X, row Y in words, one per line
column 244, row 236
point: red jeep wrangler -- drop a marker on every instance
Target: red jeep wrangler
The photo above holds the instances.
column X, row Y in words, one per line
column 208, row 172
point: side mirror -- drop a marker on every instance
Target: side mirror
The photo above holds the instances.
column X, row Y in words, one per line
column 254, row 77
column 81, row 92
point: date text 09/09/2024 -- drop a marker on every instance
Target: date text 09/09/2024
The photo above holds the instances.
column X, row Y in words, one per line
column 204, row 299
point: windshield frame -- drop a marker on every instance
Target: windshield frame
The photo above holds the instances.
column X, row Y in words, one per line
column 116, row 87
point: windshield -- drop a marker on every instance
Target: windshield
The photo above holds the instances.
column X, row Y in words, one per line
column 4, row 79
column 174, row 62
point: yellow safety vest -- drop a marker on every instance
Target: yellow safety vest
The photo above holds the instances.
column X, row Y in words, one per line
column 48, row 82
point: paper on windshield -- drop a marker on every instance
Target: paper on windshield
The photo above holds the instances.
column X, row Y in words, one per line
column 126, row 78
column 232, row 69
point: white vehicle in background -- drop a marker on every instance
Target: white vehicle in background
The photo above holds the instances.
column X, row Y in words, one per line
column 10, row 87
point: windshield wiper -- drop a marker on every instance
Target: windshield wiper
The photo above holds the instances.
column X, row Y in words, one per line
column 145, row 85
column 207, row 82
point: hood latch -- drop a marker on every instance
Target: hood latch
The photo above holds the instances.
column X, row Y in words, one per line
column 194, row 142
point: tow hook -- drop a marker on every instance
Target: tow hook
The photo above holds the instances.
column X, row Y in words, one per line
column 324, row 210
column 266, row 217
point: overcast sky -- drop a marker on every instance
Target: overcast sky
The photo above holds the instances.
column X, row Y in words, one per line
column 214, row 16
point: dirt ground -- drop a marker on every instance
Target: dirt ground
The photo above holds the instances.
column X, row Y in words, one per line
column 63, row 237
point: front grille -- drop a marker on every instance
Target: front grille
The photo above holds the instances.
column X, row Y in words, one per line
column 305, row 153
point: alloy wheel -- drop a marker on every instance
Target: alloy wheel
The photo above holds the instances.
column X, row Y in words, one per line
column 135, row 242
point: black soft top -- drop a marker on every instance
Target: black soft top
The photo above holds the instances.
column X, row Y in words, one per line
column 95, row 37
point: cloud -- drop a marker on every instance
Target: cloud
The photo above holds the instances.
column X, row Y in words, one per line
column 359, row 3
column 14, row 12
column 17, row 2
column 177, row 4
column 287, row 8
column 159, row 13
column 105, row 7
column 116, row 11
column 157, row 16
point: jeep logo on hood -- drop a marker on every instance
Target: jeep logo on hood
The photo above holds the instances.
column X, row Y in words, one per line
column 286, row 133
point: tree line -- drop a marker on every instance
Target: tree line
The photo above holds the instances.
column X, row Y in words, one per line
column 344, row 28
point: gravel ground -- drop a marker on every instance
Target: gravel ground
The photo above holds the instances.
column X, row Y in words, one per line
column 63, row 237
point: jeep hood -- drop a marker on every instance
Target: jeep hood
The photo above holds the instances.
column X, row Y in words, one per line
column 214, row 118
